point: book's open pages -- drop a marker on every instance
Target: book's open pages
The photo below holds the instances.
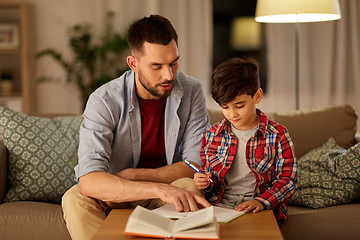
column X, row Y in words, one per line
column 223, row 215
column 201, row 225
column 197, row 219
column 143, row 221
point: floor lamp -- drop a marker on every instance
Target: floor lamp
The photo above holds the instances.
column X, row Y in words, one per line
column 297, row 11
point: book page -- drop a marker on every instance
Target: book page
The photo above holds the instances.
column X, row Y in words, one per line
column 169, row 211
column 144, row 221
column 209, row 231
column 199, row 218
column 199, row 225
column 223, row 215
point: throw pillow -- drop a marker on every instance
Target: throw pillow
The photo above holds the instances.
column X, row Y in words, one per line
column 42, row 154
column 328, row 175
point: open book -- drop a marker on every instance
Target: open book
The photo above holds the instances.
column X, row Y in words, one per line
column 199, row 225
column 222, row 215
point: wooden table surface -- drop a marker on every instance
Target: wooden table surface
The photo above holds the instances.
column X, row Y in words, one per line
column 260, row 225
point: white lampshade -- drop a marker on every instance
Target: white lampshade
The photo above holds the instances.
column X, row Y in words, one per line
column 290, row 11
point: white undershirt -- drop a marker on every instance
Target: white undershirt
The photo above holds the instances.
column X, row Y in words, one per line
column 241, row 180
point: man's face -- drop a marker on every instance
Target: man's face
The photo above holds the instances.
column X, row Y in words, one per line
column 155, row 69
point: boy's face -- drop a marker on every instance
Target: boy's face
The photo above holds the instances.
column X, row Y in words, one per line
column 241, row 111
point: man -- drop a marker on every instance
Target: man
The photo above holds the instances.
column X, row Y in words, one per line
column 137, row 129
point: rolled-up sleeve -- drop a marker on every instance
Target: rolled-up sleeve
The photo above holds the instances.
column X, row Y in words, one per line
column 96, row 136
column 196, row 125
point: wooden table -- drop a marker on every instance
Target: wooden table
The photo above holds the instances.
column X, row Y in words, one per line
column 260, row 225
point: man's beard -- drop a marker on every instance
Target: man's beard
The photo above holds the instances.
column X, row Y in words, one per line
column 153, row 90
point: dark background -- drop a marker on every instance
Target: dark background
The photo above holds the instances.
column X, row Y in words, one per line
column 224, row 11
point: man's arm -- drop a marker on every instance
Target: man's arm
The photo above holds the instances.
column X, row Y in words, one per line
column 166, row 174
column 196, row 125
column 111, row 188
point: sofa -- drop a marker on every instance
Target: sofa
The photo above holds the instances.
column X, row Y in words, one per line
column 34, row 212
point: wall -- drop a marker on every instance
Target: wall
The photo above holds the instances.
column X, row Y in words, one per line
column 329, row 59
column 193, row 22
column 53, row 18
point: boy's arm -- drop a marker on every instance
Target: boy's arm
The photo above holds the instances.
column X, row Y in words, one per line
column 285, row 180
column 252, row 205
column 214, row 188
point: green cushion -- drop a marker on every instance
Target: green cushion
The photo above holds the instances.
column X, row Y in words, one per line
column 42, row 155
column 328, row 175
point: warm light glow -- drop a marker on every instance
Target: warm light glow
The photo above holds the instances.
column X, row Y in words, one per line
column 245, row 34
column 290, row 11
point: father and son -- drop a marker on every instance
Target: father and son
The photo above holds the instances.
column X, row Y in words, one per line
column 138, row 129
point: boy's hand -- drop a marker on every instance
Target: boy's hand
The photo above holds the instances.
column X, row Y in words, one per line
column 248, row 206
column 202, row 180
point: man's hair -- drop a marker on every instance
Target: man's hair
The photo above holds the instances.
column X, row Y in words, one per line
column 152, row 29
column 234, row 77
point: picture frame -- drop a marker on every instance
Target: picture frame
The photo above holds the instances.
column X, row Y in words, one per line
column 9, row 36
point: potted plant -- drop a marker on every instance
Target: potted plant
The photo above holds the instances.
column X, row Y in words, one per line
column 6, row 81
column 93, row 64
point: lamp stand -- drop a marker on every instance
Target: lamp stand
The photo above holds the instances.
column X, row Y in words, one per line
column 297, row 29
column 297, row 11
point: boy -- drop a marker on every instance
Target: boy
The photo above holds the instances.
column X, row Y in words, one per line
column 249, row 158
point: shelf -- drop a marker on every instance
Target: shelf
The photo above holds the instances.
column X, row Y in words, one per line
column 18, row 56
column 10, row 51
column 10, row 95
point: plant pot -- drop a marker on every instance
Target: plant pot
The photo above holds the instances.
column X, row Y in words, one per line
column 6, row 87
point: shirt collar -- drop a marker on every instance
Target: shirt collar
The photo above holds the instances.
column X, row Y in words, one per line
column 225, row 125
column 263, row 121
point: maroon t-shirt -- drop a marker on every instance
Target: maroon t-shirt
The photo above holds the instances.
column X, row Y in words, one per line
column 152, row 130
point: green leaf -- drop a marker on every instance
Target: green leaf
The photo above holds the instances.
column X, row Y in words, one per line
column 96, row 59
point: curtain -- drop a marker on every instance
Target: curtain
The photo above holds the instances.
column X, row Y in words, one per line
column 191, row 19
column 329, row 62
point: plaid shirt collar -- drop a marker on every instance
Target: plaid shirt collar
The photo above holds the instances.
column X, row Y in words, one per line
column 225, row 125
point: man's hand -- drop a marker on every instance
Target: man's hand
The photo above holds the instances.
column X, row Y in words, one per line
column 183, row 200
column 248, row 206
column 202, row 180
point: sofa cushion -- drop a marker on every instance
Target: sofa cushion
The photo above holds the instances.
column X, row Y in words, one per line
column 3, row 171
column 328, row 175
column 310, row 129
column 32, row 220
column 42, row 155
column 330, row 223
column 215, row 116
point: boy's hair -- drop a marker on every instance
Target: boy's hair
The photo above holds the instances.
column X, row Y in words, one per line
column 152, row 29
column 234, row 77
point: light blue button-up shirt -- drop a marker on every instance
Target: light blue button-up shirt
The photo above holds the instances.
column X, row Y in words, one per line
column 110, row 134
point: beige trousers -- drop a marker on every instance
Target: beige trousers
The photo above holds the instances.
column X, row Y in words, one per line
column 84, row 215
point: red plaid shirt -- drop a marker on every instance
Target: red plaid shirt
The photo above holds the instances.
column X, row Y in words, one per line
column 270, row 155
